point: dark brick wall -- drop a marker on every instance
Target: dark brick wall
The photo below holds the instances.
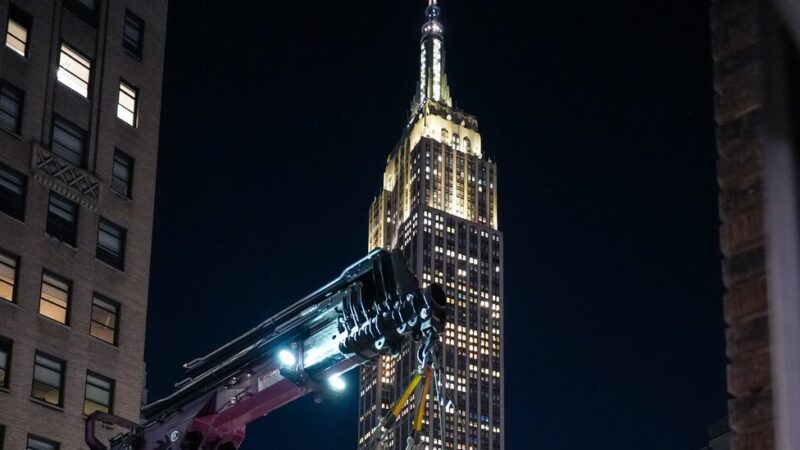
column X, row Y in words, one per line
column 44, row 95
column 738, row 77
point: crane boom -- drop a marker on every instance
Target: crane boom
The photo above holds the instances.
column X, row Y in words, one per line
column 370, row 310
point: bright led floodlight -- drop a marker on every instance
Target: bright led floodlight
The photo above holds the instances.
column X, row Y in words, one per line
column 336, row 383
column 287, row 358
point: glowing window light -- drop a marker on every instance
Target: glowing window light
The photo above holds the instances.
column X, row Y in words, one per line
column 17, row 37
column 74, row 70
column 126, row 105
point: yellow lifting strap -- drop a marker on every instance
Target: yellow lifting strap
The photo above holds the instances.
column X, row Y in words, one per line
column 402, row 400
column 423, row 400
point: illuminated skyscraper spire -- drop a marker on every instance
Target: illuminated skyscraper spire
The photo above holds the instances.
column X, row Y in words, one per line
column 437, row 204
column 432, row 84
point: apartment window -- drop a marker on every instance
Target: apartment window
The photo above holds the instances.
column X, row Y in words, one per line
column 62, row 219
column 69, row 142
column 126, row 106
column 84, row 9
column 8, row 275
column 38, row 443
column 122, row 174
column 111, row 244
column 48, row 379
column 5, row 362
column 88, row 4
column 17, row 30
column 105, row 319
column 12, row 192
column 99, row 394
column 54, row 298
column 133, row 36
column 11, row 100
column 74, row 70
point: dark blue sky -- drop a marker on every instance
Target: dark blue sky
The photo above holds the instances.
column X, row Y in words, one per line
column 277, row 120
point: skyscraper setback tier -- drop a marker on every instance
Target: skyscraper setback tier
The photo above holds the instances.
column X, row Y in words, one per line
column 80, row 103
column 438, row 203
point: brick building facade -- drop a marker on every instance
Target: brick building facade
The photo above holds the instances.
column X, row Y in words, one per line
column 756, row 114
column 739, row 116
column 80, row 100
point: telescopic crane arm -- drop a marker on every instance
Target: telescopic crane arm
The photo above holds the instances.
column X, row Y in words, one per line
column 370, row 310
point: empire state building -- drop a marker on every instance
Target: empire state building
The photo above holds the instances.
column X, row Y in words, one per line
column 438, row 204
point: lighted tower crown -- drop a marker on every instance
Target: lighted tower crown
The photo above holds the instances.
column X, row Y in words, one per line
column 432, row 82
column 438, row 205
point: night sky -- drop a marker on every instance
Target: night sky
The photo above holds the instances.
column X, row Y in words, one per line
column 276, row 124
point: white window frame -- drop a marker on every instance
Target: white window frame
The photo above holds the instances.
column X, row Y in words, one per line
column 40, row 443
column 18, row 31
column 58, row 284
column 17, row 37
column 132, row 21
column 46, row 362
column 7, row 350
column 13, row 184
column 100, row 383
column 119, row 185
column 115, row 234
column 128, row 103
column 9, row 263
column 110, row 307
column 74, row 70
column 65, row 152
column 15, row 95
column 62, row 213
